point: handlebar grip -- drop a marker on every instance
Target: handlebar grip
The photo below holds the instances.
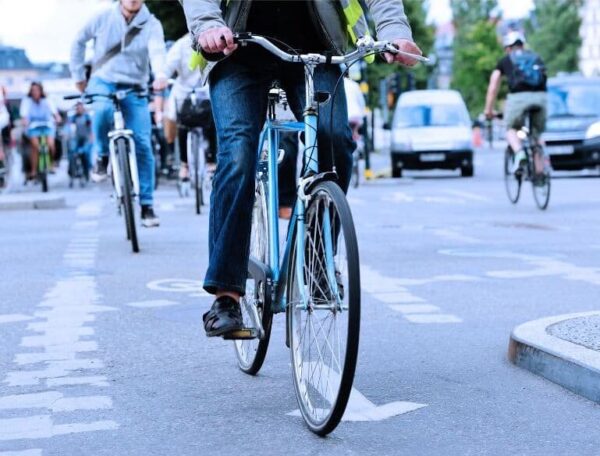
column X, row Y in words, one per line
column 73, row 97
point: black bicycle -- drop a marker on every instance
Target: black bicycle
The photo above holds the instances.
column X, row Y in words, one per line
column 526, row 171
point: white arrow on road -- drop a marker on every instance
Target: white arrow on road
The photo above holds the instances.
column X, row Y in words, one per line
column 362, row 409
column 359, row 408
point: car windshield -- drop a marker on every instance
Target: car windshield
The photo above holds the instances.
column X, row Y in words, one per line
column 574, row 100
column 437, row 115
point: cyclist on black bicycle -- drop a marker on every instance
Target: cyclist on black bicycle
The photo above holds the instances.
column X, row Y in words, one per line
column 526, row 76
column 239, row 86
column 128, row 40
column 186, row 82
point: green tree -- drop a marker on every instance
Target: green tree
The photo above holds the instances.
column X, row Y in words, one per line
column 423, row 34
column 553, row 32
column 476, row 50
column 170, row 14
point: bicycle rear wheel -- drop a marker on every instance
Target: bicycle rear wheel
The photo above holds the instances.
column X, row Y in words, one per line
column 127, row 192
column 512, row 181
column 541, row 190
column 251, row 352
column 324, row 329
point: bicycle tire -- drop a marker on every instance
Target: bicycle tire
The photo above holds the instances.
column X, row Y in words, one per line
column 541, row 193
column 196, row 154
column 512, row 182
column 312, row 398
column 43, row 164
column 127, row 193
column 251, row 353
column 355, row 171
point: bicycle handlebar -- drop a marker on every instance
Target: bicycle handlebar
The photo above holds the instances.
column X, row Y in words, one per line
column 364, row 46
column 118, row 95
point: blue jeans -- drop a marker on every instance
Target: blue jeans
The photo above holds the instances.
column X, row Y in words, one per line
column 239, row 89
column 137, row 118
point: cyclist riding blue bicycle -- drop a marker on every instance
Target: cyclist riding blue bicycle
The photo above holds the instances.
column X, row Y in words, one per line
column 239, row 86
column 526, row 76
column 128, row 40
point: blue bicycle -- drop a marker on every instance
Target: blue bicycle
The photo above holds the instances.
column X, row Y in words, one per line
column 317, row 280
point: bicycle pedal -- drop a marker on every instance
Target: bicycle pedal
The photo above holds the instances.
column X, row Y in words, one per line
column 242, row 334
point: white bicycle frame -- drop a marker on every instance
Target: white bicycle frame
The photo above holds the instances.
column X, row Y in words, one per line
column 119, row 131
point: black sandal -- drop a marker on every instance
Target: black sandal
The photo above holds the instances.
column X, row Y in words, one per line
column 224, row 318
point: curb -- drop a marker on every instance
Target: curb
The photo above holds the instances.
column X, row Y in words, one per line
column 17, row 202
column 572, row 366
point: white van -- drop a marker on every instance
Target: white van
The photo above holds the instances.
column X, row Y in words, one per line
column 432, row 130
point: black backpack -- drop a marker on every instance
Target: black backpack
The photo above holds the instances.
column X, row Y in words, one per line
column 529, row 70
column 195, row 113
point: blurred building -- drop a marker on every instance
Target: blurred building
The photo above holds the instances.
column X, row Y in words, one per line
column 444, row 52
column 16, row 69
column 590, row 34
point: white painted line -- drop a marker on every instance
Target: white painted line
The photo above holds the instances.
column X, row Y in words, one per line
column 42, row 427
column 399, row 297
column 438, row 278
column 70, row 404
column 55, row 401
column 453, row 235
column 54, row 369
column 415, row 308
column 36, row 452
column 14, row 318
column 153, row 304
column 97, row 381
column 469, row 196
column 432, row 318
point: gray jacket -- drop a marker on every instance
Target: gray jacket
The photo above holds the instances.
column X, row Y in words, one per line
column 390, row 19
column 132, row 64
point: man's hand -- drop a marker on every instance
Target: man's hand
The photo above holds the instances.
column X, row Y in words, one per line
column 81, row 86
column 211, row 41
column 489, row 113
column 404, row 46
column 160, row 84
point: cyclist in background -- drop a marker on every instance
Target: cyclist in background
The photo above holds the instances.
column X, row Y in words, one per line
column 81, row 137
column 178, row 62
column 239, row 87
column 35, row 107
column 128, row 40
column 526, row 74
column 356, row 106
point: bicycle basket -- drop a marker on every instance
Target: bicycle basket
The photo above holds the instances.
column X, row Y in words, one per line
column 195, row 113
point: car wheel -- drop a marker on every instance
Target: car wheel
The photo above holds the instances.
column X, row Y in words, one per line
column 466, row 171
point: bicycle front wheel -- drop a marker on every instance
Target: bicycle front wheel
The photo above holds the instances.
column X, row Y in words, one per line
column 324, row 309
column 512, row 181
column 127, row 192
column 251, row 352
column 355, row 170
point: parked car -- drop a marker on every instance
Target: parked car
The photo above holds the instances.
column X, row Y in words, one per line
column 571, row 136
column 431, row 129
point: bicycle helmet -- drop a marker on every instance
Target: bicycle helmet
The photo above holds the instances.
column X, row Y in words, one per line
column 513, row 38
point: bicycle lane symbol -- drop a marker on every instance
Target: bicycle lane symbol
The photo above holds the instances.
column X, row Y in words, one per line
column 192, row 288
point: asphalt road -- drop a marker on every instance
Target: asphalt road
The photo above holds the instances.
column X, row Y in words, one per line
column 102, row 352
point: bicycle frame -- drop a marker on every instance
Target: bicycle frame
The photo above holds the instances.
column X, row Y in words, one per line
column 119, row 131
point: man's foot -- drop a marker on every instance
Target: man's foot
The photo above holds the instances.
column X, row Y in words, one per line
column 224, row 318
column 519, row 161
column 149, row 218
column 100, row 174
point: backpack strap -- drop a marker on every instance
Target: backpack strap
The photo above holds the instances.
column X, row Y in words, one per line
column 117, row 48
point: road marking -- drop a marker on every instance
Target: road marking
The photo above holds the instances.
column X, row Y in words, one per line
column 543, row 266
column 469, row 196
column 14, row 318
column 36, row 452
column 62, row 338
column 153, row 304
column 54, row 401
column 415, row 308
column 393, row 291
column 359, row 408
column 42, row 427
column 453, row 235
column 433, row 318
column 98, row 380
